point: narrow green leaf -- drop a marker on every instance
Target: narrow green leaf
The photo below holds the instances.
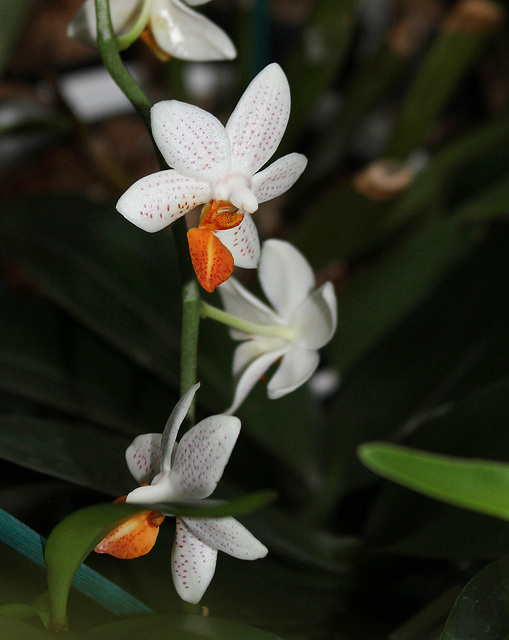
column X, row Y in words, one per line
column 450, row 56
column 19, row 611
column 17, row 630
column 479, row 485
column 217, row 508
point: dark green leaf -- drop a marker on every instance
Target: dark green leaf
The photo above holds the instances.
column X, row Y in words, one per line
column 481, row 611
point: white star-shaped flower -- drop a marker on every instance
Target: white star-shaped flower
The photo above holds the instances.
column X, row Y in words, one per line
column 169, row 27
column 303, row 320
column 218, row 165
column 188, row 470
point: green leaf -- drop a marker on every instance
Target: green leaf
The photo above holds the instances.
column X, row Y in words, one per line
column 169, row 627
column 479, row 485
column 217, row 508
column 69, row 544
column 118, row 281
column 14, row 15
column 481, row 610
column 17, row 630
column 451, row 55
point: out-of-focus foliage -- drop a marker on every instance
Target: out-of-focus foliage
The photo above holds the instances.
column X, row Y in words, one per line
column 402, row 108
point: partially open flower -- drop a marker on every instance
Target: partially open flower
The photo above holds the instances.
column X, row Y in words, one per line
column 191, row 469
column 218, row 166
column 169, row 27
column 304, row 319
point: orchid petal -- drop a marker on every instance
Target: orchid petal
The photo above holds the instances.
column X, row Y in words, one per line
column 157, row 200
column 124, row 14
column 240, row 302
column 135, row 537
column 259, row 120
column 278, row 177
column 193, row 564
column 227, row 535
column 251, row 361
column 243, row 243
column 285, row 277
column 143, row 457
column 161, row 490
column 202, row 455
column 316, row 320
column 172, row 426
column 191, row 140
column 296, row 367
column 185, row 34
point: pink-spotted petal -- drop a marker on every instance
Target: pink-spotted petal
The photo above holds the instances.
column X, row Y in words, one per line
column 316, row 319
column 278, row 177
column 191, row 140
column 227, row 535
column 172, row 426
column 285, row 277
column 192, row 564
column 251, row 361
column 143, row 457
column 296, row 367
column 259, row 120
column 202, row 455
column 157, row 200
column 243, row 243
column 187, row 35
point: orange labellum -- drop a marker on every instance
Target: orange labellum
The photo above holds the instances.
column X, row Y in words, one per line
column 220, row 215
column 133, row 538
column 212, row 261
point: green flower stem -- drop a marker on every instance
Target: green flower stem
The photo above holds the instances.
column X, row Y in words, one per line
column 108, row 48
column 252, row 328
column 127, row 39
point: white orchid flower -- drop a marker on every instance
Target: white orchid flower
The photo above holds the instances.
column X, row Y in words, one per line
column 169, row 27
column 303, row 320
column 171, row 471
column 219, row 166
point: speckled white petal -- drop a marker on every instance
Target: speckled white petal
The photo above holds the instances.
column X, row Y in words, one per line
column 143, row 457
column 202, row 455
column 191, row 140
column 297, row 366
column 157, row 200
column 250, row 362
column 172, row 426
column 227, row 535
column 192, row 564
column 243, row 243
column 259, row 120
column 82, row 27
column 278, row 177
column 185, row 34
column 316, row 319
column 285, row 276
column 161, row 490
column 240, row 302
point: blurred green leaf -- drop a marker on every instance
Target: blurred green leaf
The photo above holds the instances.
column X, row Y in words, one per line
column 192, row 627
column 14, row 15
column 479, row 485
column 452, row 53
column 481, row 610
column 217, row 508
column 18, row 630
column 381, row 294
column 118, row 281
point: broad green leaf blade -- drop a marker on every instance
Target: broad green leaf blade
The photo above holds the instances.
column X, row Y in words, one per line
column 69, row 544
column 120, row 282
column 479, row 485
column 481, row 610
column 192, row 627
column 18, row 630
column 81, row 453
